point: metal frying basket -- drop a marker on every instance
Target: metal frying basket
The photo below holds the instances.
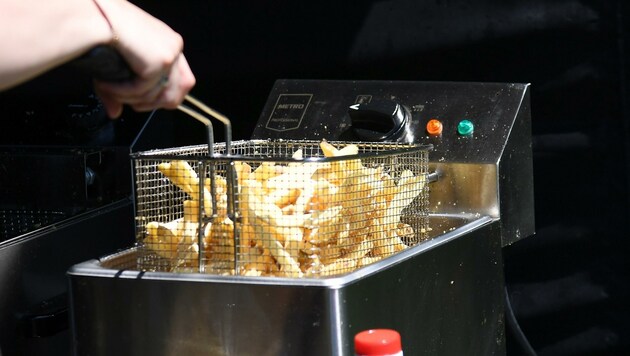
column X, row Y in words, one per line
column 279, row 208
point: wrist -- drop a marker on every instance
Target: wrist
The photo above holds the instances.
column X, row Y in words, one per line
column 103, row 10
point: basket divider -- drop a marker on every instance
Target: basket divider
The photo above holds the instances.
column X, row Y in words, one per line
column 210, row 133
column 201, row 212
column 213, row 188
column 232, row 189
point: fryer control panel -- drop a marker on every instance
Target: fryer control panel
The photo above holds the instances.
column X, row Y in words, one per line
column 463, row 121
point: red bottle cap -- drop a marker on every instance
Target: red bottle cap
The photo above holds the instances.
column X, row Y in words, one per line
column 377, row 342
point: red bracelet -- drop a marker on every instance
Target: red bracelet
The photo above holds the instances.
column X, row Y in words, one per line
column 114, row 35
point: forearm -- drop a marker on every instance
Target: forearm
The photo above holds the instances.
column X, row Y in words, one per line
column 38, row 35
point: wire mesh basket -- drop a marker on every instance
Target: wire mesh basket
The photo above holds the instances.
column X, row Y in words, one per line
column 283, row 208
column 279, row 208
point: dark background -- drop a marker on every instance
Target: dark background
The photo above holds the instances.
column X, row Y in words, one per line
column 567, row 283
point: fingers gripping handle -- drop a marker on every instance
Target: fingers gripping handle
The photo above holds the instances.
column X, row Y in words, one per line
column 106, row 64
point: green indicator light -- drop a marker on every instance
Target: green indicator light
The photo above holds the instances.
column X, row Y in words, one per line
column 465, row 127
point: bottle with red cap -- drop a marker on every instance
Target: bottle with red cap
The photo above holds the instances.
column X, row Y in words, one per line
column 378, row 342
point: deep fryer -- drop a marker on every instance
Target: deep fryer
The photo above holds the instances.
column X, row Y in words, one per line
column 444, row 295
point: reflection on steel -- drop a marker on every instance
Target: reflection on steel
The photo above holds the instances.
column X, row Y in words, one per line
column 449, row 288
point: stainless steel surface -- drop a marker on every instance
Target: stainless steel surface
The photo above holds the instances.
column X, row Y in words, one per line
column 488, row 172
column 444, row 296
column 22, row 221
column 465, row 188
column 33, row 298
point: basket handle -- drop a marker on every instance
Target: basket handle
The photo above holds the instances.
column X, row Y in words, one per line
column 204, row 120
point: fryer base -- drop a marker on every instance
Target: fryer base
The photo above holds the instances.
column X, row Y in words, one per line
column 444, row 296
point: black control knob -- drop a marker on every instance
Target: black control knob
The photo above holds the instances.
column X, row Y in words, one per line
column 378, row 120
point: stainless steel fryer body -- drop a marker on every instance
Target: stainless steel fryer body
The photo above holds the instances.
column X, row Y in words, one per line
column 444, row 296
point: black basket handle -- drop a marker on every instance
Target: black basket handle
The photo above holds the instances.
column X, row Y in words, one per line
column 106, row 64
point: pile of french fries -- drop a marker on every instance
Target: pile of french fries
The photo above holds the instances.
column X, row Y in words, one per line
column 301, row 219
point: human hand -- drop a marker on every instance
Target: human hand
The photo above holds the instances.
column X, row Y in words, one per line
column 154, row 53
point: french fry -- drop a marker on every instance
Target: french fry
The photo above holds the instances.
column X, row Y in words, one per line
column 162, row 238
column 303, row 202
column 379, row 234
column 284, row 196
column 175, row 240
column 339, row 168
column 297, row 177
column 297, row 154
column 289, row 266
column 191, row 210
column 354, row 195
column 328, row 149
column 344, row 233
column 407, row 190
column 341, row 265
column 243, row 171
column 359, row 250
column 293, row 240
column 289, row 210
column 368, row 260
column 324, row 225
column 181, row 174
column 324, row 195
column 254, row 259
column 265, row 171
column 248, row 236
column 389, row 188
column 329, row 253
column 331, row 151
column 220, row 242
column 265, row 219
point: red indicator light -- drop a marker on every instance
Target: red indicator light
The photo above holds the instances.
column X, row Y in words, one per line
column 434, row 127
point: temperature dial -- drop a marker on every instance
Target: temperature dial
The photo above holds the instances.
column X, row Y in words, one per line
column 379, row 120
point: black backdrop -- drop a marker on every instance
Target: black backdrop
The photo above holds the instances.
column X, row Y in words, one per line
column 567, row 283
